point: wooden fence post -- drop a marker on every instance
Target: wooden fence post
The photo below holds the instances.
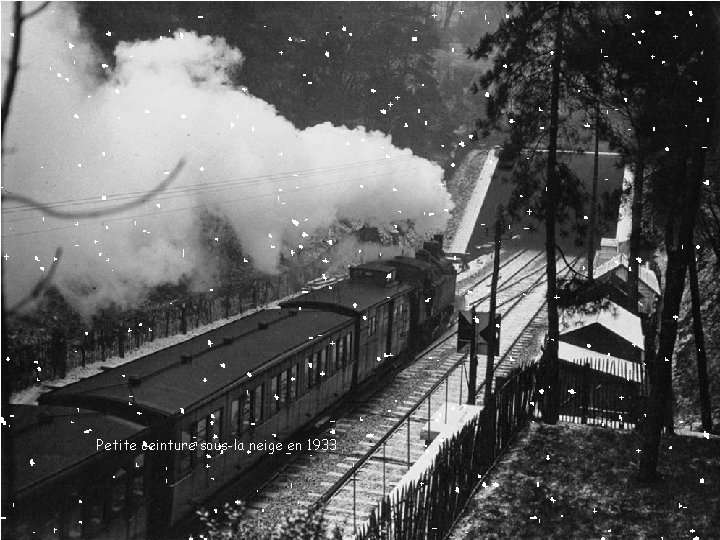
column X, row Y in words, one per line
column 121, row 341
column 136, row 329
column 183, row 318
column 585, row 393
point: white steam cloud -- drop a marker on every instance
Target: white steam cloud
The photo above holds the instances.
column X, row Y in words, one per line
column 80, row 141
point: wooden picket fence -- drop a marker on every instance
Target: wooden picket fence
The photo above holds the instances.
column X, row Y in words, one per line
column 602, row 392
column 592, row 391
column 428, row 508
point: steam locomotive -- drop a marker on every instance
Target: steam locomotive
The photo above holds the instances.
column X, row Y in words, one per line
column 129, row 452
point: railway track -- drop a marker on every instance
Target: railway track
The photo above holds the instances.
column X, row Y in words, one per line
column 376, row 443
column 509, row 267
column 387, row 460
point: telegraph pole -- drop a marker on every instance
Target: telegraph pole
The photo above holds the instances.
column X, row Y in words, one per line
column 472, row 377
column 492, row 333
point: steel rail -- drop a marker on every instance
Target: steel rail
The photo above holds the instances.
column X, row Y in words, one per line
column 352, row 471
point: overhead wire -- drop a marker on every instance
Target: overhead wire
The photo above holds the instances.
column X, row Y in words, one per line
column 205, row 204
column 174, row 192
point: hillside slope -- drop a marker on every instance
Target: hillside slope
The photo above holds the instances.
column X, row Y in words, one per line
column 685, row 379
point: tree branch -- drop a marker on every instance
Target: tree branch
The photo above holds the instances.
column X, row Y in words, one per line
column 40, row 286
column 14, row 65
column 48, row 210
column 34, row 11
column 567, row 264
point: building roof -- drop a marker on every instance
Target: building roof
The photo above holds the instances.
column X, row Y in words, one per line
column 350, row 296
column 624, row 223
column 169, row 384
column 412, row 261
column 647, row 276
column 377, row 266
column 616, row 319
column 49, row 442
column 616, row 366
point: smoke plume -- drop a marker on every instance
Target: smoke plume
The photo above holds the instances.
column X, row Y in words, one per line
column 84, row 136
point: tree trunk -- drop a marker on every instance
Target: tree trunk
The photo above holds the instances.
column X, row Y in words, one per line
column 636, row 234
column 593, row 202
column 552, row 387
column 705, row 414
column 183, row 319
column 103, row 342
column 121, row 341
column 703, row 135
column 491, row 345
column 449, row 7
column 679, row 245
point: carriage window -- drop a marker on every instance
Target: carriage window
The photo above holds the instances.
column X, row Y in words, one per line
column 49, row 529
column 258, row 409
column 200, row 432
column 333, row 358
column 94, row 510
column 214, row 430
column 185, row 463
column 235, row 419
column 74, row 519
column 119, row 491
column 138, row 482
column 320, row 366
column 247, row 405
column 294, row 385
column 309, row 373
column 283, row 387
column 275, row 394
column 372, row 325
column 345, row 343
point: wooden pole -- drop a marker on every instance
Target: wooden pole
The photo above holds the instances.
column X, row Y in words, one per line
column 472, row 376
column 490, row 367
column 462, row 368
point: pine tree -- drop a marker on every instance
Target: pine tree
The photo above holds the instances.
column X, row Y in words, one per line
column 531, row 88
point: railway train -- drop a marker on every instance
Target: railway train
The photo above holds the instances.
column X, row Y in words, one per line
column 129, row 452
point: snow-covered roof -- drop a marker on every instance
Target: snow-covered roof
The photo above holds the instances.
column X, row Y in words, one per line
column 615, row 318
column 599, row 361
column 647, row 276
column 624, row 224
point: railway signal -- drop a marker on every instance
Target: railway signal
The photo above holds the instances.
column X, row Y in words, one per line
column 482, row 331
column 488, row 335
column 474, row 328
column 493, row 334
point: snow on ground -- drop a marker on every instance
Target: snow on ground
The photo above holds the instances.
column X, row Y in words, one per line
column 575, row 481
column 472, row 209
